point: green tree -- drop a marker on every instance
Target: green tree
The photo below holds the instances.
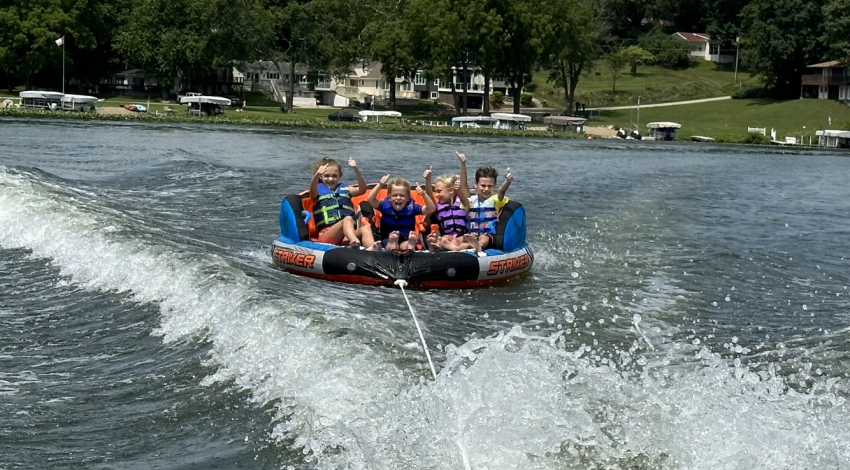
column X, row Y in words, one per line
column 28, row 31
column 189, row 39
column 634, row 56
column 616, row 62
column 570, row 31
column 668, row 51
column 781, row 37
column 836, row 14
column 521, row 44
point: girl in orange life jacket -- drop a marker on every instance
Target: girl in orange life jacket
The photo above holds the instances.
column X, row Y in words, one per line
column 398, row 212
column 333, row 212
column 484, row 207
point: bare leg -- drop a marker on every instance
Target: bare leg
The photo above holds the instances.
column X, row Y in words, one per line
column 350, row 233
column 448, row 243
column 484, row 240
column 392, row 243
column 334, row 234
column 365, row 234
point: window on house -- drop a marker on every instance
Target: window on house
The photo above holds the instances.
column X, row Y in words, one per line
column 844, row 92
column 714, row 49
column 405, row 86
column 437, row 82
column 273, row 76
column 301, row 78
column 385, row 85
column 420, row 78
column 435, row 95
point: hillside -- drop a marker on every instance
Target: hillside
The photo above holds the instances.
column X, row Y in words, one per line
column 653, row 84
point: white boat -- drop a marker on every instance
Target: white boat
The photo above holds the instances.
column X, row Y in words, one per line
column 57, row 101
column 475, row 121
column 377, row 115
column 565, row 123
column 204, row 105
column 78, row 102
column 663, row 130
column 510, row 121
column 41, row 99
column 833, row 138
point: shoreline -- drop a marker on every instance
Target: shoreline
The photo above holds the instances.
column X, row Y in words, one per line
column 295, row 123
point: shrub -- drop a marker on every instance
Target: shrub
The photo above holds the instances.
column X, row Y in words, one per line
column 498, row 97
column 751, row 93
column 669, row 52
column 531, row 87
column 525, row 99
column 756, row 138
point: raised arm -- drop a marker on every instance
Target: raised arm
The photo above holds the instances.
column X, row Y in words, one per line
column 464, row 201
column 373, row 194
column 504, row 188
column 464, row 184
column 314, row 184
column 427, row 175
column 429, row 203
column 361, row 182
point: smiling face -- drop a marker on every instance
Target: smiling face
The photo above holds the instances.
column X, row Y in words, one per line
column 331, row 176
column 485, row 186
column 442, row 194
column 398, row 196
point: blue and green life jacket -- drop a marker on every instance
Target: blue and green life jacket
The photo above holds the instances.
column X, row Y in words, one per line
column 332, row 206
column 482, row 214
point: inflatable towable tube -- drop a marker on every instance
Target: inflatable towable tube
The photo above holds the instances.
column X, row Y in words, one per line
column 296, row 251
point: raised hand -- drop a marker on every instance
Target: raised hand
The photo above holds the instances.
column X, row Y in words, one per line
column 322, row 169
column 384, row 180
column 461, row 157
column 419, row 190
column 352, row 163
column 509, row 176
column 427, row 173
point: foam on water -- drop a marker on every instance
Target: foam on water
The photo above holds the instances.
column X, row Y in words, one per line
column 511, row 400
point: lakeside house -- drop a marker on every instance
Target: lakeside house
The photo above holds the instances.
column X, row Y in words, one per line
column 702, row 47
column 364, row 83
column 826, row 81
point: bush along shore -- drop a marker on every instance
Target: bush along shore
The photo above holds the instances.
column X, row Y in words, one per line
column 272, row 122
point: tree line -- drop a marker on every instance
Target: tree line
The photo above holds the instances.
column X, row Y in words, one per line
column 509, row 39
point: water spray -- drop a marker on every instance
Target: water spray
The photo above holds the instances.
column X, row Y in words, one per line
column 401, row 283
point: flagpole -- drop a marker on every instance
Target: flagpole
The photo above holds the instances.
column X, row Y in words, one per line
column 63, row 65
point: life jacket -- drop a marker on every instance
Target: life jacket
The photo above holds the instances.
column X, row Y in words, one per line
column 482, row 214
column 332, row 206
column 403, row 221
column 452, row 218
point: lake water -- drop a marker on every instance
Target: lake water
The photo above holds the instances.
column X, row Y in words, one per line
column 688, row 308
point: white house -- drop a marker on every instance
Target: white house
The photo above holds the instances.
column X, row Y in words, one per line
column 703, row 48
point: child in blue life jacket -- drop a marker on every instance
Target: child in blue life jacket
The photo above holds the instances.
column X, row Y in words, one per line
column 484, row 206
column 451, row 217
column 333, row 211
column 398, row 211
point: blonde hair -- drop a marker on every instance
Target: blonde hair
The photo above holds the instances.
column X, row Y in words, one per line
column 399, row 181
column 327, row 161
column 448, row 180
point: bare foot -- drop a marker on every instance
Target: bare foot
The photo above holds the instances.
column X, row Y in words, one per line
column 448, row 244
column 473, row 242
column 354, row 243
column 375, row 247
column 433, row 242
column 412, row 239
column 392, row 241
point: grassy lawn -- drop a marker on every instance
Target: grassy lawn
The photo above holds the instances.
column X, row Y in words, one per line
column 728, row 120
column 653, row 84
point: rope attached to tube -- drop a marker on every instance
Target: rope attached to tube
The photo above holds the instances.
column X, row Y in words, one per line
column 401, row 283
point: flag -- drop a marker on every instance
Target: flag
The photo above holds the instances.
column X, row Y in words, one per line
column 60, row 41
